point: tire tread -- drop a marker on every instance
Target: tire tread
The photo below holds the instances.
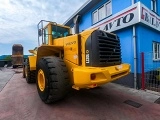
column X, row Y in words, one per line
column 31, row 75
column 58, row 78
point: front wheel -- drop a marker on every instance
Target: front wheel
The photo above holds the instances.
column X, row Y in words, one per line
column 52, row 79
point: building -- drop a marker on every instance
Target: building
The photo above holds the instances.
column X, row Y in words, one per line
column 136, row 22
column 5, row 60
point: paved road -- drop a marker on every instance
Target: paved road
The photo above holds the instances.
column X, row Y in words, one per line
column 5, row 76
column 20, row 101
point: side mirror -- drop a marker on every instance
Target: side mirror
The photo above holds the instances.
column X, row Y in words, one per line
column 40, row 32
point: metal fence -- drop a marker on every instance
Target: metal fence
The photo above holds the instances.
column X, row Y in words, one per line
column 150, row 69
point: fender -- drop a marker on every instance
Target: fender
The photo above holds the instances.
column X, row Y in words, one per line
column 32, row 62
column 48, row 50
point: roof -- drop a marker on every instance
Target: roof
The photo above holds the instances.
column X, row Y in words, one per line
column 85, row 7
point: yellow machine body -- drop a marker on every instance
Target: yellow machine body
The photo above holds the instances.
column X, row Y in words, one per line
column 74, row 53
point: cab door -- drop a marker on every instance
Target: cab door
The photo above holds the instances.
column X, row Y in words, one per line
column 46, row 37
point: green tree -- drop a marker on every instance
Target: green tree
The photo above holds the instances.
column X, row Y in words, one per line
column 8, row 57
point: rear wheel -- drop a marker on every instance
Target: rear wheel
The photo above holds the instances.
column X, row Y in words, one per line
column 24, row 75
column 52, row 79
column 14, row 66
column 24, row 64
column 30, row 75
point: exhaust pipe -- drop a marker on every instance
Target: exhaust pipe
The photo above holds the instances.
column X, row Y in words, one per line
column 76, row 21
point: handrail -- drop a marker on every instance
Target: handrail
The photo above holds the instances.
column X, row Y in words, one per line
column 38, row 26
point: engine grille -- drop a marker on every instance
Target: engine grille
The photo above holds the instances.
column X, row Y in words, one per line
column 105, row 49
column 109, row 49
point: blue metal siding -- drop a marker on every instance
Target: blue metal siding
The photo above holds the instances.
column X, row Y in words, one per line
column 145, row 38
column 147, row 3
column 125, row 36
column 86, row 21
column 118, row 5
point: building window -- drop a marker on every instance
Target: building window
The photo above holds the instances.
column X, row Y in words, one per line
column 95, row 17
column 102, row 12
column 108, row 9
column 156, row 51
column 154, row 5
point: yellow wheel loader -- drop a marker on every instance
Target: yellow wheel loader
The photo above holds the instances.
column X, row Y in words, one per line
column 63, row 60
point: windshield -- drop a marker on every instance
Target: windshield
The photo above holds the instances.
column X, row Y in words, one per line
column 58, row 31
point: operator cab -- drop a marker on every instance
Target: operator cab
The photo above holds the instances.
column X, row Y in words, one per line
column 51, row 31
column 58, row 31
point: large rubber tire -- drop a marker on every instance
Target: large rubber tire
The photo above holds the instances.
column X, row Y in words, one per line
column 15, row 66
column 24, row 75
column 57, row 84
column 30, row 75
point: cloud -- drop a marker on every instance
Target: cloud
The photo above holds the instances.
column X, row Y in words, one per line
column 19, row 18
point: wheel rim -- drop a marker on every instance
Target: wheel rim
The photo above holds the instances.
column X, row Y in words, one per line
column 41, row 80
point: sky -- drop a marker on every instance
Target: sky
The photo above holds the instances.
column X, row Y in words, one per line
column 19, row 19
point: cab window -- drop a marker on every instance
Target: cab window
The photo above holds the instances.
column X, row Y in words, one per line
column 46, row 36
column 58, row 32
